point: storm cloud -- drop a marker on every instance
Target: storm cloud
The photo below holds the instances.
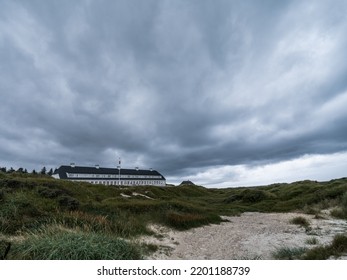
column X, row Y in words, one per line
column 210, row 90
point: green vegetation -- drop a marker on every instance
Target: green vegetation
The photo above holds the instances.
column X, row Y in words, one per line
column 37, row 212
column 337, row 247
column 287, row 253
column 58, row 244
column 312, row 241
column 301, row 221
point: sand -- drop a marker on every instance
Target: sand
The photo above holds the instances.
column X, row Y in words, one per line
column 251, row 235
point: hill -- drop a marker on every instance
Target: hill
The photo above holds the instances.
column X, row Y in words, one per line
column 44, row 218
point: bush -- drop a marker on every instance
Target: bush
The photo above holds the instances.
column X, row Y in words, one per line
column 338, row 213
column 301, row 221
column 312, row 241
column 68, row 245
column 188, row 220
column 287, row 253
column 344, row 203
column 317, row 253
column 337, row 247
column 339, row 244
column 69, row 202
column 253, row 196
column 50, row 193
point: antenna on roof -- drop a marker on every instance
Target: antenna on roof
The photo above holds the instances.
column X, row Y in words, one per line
column 72, row 164
column 119, row 167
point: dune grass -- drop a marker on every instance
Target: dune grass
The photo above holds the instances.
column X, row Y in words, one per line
column 335, row 249
column 32, row 203
column 58, row 244
column 301, row 221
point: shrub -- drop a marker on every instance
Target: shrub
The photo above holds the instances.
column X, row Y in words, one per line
column 69, row 202
column 338, row 213
column 312, row 241
column 301, row 221
column 286, row 253
column 50, row 193
column 188, row 220
column 317, row 253
column 337, row 247
column 339, row 244
column 344, row 203
column 253, row 195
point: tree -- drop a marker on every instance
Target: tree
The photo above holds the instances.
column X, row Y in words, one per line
column 43, row 171
column 11, row 170
column 50, row 172
column 34, row 171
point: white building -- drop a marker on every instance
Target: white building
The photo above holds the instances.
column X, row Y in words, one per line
column 110, row 176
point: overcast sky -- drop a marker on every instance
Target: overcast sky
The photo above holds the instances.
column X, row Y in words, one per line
column 224, row 93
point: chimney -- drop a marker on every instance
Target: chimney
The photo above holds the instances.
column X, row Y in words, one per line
column 97, row 166
column 72, row 164
column 137, row 169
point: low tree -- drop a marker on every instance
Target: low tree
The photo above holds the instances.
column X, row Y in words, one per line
column 43, row 171
column 11, row 170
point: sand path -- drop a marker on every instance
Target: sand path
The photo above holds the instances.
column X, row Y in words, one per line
column 248, row 236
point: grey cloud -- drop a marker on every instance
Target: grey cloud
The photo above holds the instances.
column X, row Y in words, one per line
column 176, row 85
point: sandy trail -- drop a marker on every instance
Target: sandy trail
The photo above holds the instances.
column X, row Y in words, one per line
column 248, row 236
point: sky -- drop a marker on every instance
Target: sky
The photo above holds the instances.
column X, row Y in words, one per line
column 220, row 92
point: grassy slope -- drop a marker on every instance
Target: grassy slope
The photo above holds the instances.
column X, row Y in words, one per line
column 33, row 207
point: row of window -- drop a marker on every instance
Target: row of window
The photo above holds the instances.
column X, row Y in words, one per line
column 130, row 183
column 78, row 175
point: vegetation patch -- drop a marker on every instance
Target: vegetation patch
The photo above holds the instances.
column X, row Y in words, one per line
column 312, row 241
column 287, row 253
column 301, row 221
column 73, row 245
column 337, row 247
column 183, row 221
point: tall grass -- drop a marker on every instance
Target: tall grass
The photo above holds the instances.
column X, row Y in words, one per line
column 301, row 221
column 337, row 247
column 183, row 221
column 73, row 245
column 287, row 253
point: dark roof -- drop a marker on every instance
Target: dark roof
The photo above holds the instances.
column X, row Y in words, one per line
column 62, row 170
column 187, row 183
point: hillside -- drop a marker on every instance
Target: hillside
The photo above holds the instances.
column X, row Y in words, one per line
column 44, row 218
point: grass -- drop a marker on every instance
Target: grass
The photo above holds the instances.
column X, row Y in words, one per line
column 312, row 241
column 57, row 244
column 301, row 221
column 337, row 248
column 34, row 203
column 287, row 253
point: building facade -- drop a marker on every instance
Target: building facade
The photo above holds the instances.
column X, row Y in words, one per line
column 110, row 176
